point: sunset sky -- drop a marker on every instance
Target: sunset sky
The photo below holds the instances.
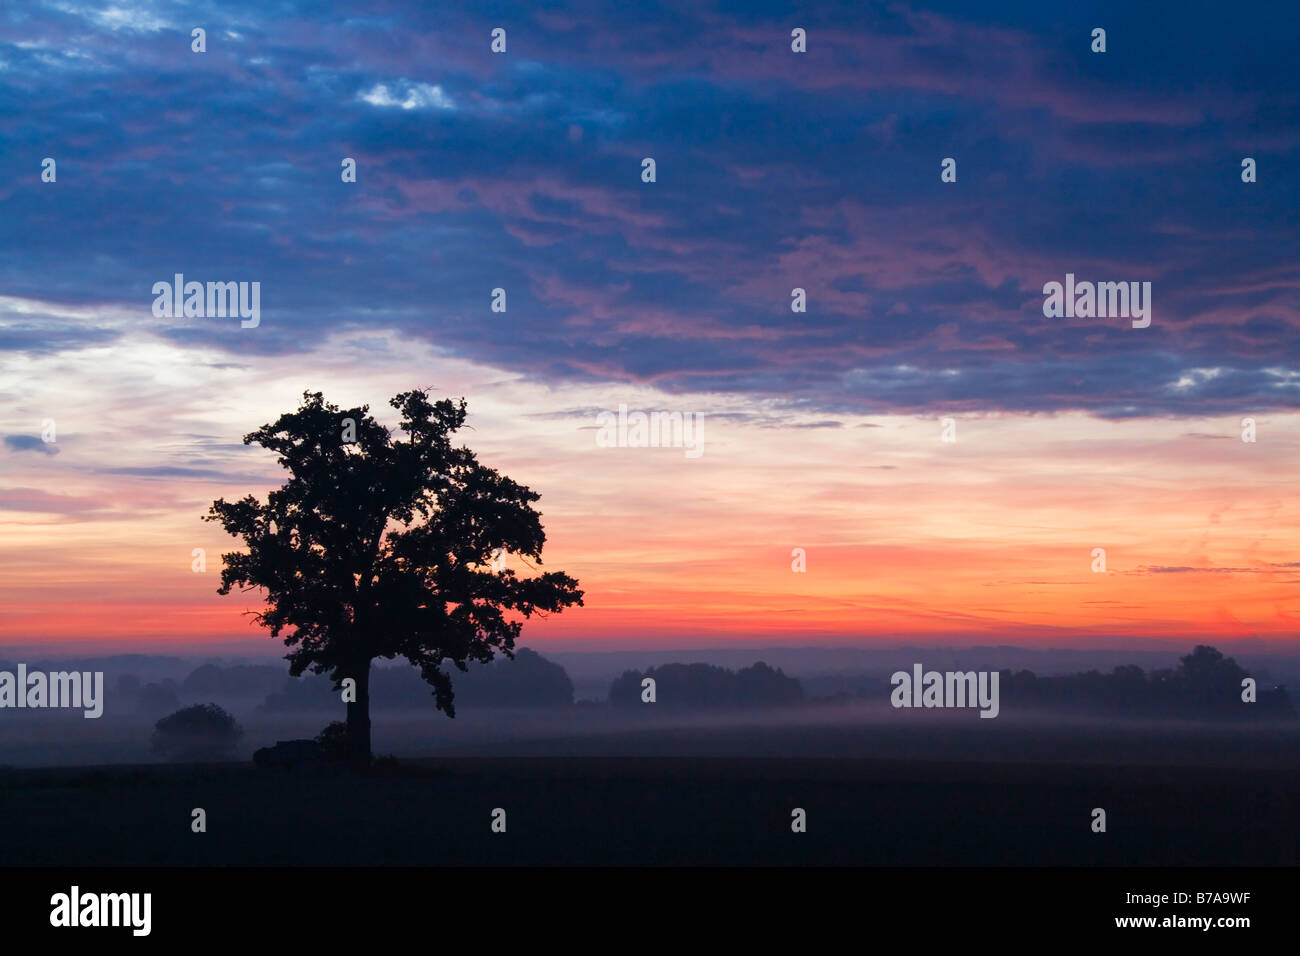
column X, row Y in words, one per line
column 774, row 170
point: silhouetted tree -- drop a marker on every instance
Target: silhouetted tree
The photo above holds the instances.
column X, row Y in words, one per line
column 1213, row 681
column 128, row 686
column 201, row 732
column 236, row 679
column 530, row 680
column 157, row 698
column 304, row 694
column 761, row 684
column 382, row 548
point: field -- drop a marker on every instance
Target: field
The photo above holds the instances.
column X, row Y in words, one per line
column 1183, row 809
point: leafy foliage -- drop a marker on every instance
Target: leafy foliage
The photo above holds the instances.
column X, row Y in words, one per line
column 200, row 732
column 382, row 547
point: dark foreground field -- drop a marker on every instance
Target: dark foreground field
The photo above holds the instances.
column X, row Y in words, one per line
column 655, row 810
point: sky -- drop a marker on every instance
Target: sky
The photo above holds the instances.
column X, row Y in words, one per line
column 823, row 430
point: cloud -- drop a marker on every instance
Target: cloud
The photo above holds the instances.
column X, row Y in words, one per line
column 775, row 171
column 35, row 500
column 1156, row 569
column 45, row 341
column 30, row 443
column 407, row 96
column 174, row 471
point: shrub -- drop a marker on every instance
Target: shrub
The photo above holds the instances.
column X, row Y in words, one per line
column 201, row 732
column 334, row 743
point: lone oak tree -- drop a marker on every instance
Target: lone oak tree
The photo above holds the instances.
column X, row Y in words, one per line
column 381, row 547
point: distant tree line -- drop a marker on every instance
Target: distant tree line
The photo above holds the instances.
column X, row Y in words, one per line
column 530, row 680
column 707, row 686
column 1205, row 685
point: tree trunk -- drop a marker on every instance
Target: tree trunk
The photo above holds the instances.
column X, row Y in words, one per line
column 359, row 718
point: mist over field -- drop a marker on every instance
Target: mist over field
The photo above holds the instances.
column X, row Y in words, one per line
column 559, row 705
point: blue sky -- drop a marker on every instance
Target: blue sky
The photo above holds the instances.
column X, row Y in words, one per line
column 775, row 170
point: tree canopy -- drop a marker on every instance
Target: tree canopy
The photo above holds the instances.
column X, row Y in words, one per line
column 378, row 546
